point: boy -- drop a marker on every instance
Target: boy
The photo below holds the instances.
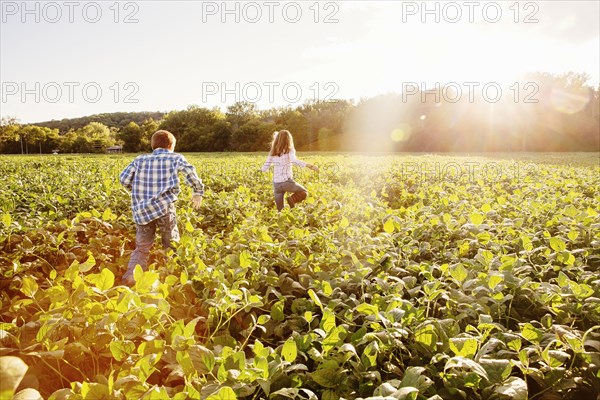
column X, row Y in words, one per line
column 154, row 184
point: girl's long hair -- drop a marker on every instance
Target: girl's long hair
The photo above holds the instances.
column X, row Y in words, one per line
column 282, row 143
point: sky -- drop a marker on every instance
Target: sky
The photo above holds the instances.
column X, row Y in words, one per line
column 70, row 59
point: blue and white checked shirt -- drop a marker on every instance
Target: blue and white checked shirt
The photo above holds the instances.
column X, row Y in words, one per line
column 154, row 183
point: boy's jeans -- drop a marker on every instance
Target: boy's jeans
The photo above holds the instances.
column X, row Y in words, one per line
column 279, row 189
column 144, row 239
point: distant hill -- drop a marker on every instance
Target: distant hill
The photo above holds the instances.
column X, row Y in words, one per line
column 116, row 119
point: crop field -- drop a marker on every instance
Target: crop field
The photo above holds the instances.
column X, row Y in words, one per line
column 405, row 276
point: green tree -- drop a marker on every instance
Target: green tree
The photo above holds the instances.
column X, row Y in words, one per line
column 149, row 126
column 67, row 142
column 33, row 135
column 9, row 129
column 563, row 116
column 198, row 129
column 295, row 122
column 131, row 135
column 52, row 141
column 95, row 137
column 240, row 113
column 254, row 135
column 330, row 114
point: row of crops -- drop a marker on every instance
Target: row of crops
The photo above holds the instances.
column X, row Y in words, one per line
column 400, row 277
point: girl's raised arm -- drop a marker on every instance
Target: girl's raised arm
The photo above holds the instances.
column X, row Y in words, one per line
column 301, row 163
column 295, row 160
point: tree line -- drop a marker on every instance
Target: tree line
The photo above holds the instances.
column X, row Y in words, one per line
column 556, row 113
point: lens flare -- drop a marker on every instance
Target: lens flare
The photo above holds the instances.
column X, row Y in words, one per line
column 401, row 133
column 570, row 101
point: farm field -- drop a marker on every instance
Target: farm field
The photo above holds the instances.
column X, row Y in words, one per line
column 410, row 276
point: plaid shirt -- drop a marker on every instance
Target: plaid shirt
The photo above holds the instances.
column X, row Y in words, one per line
column 154, row 183
column 282, row 166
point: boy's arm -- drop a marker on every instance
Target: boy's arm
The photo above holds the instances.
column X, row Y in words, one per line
column 126, row 177
column 191, row 178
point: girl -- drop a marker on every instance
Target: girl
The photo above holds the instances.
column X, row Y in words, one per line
column 282, row 156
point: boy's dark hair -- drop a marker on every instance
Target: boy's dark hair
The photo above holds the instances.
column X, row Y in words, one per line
column 162, row 139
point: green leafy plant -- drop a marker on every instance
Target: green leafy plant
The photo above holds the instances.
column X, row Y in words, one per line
column 384, row 283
